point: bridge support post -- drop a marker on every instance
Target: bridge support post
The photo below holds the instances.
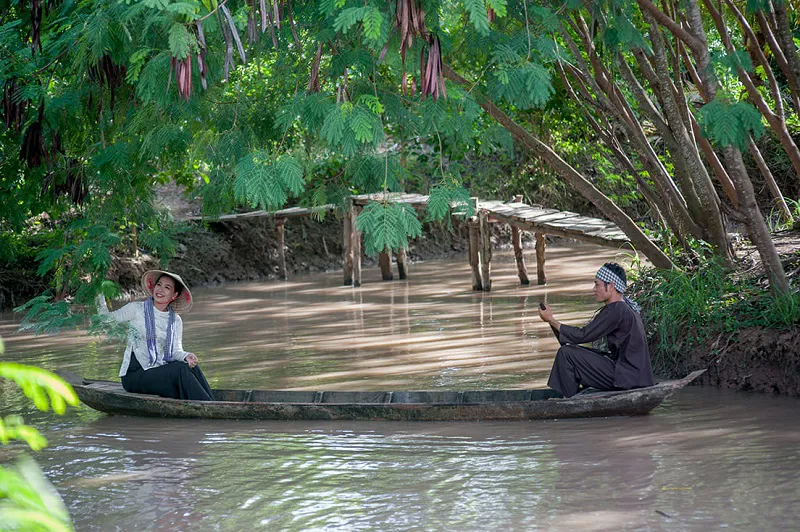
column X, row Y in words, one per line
column 474, row 257
column 356, row 246
column 486, row 251
column 519, row 258
column 385, row 261
column 347, row 235
column 541, row 276
column 402, row 272
column 516, row 241
column 280, row 224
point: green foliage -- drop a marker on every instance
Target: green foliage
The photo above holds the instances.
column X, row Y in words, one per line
column 687, row 309
column 729, row 124
column 267, row 182
column 523, row 83
column 449, row 198
column 731, row 63
column 179, row 41
column 498, row 6
column 45, row 315
column 387, row 226
column 42, row 387
column 754, row 6
column 620, row 33
column 27, row 500
column 478, row 15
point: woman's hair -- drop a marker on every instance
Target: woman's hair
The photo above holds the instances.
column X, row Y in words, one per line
column 617, row 270
column 178, row 285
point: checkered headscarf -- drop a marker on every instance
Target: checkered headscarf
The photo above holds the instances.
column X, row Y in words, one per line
column 606, row 275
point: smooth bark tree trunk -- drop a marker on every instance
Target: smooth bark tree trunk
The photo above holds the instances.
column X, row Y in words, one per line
column 639, row 240
column 757, row 227
column 777, row 195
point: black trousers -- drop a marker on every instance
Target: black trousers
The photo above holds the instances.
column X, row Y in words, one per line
column 174, row 379
column 575, row 365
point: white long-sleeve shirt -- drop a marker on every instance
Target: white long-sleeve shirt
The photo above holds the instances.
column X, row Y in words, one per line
column 133, row 315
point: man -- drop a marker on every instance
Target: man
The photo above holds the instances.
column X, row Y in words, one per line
column 626, row 366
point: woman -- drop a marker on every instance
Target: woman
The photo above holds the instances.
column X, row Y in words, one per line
column 154, row 361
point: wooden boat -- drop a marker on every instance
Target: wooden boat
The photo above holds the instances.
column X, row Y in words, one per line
column 111, row 398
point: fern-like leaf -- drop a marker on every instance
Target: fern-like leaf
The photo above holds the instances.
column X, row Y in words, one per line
column 348, row 17
column 730, row 124
column 179, row 41
column 387, row 226
column 478, row 15
column 290, row 174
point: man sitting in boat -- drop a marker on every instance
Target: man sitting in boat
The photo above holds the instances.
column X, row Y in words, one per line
column 627, row 363
column 154, row 361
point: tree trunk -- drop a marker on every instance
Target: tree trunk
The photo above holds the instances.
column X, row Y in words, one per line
column 777, row 195
column 688, row 153
column 569, row 174
column 775, row 119
column 780, row 58
column 784, row 36
column 756, row 225
column 758, row 231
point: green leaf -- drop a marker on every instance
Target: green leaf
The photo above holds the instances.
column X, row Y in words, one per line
column 373, row 20
column 730, row 124
column 290, row 173
column 179, row 41
column 731, row 63
column 345, row 20
column 333, row 127
column 361, row 124
column 387, row 226
column 37, row 384
column 448, row 198
column 189, row 9
column 478, row 15
column 499, row 7
column 372, row 102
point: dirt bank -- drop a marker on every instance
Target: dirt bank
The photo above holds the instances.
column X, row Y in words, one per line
column 752, row 359
column 246, row 250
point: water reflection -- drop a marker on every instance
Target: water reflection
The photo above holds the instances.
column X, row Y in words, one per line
column 431, row 331
column 708, row 458
column 684, row 467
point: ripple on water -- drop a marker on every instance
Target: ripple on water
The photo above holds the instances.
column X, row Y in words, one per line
column 707, row 458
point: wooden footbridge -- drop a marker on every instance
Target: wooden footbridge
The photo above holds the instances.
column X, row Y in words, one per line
column 519, row 216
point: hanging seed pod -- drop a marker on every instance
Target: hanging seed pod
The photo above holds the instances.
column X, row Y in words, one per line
column 271, row 28
column 202, row 65
column 32, row 149
column 36, row 25
column 13, row 111
column 276, row 9
column 410, row 22
column 292, row 26
column 432, row 71
column 184, row 77
column 233, row 31
column 252, row 22
column 313, row 81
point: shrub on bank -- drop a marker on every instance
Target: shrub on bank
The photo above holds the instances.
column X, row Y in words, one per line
column 693, row 317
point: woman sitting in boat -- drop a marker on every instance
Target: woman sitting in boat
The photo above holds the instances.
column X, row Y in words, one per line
column 154, row 361
column 627, row 363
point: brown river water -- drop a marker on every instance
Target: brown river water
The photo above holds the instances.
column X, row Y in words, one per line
column 707, row 458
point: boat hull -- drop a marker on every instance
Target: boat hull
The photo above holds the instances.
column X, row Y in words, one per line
column 109, row 397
